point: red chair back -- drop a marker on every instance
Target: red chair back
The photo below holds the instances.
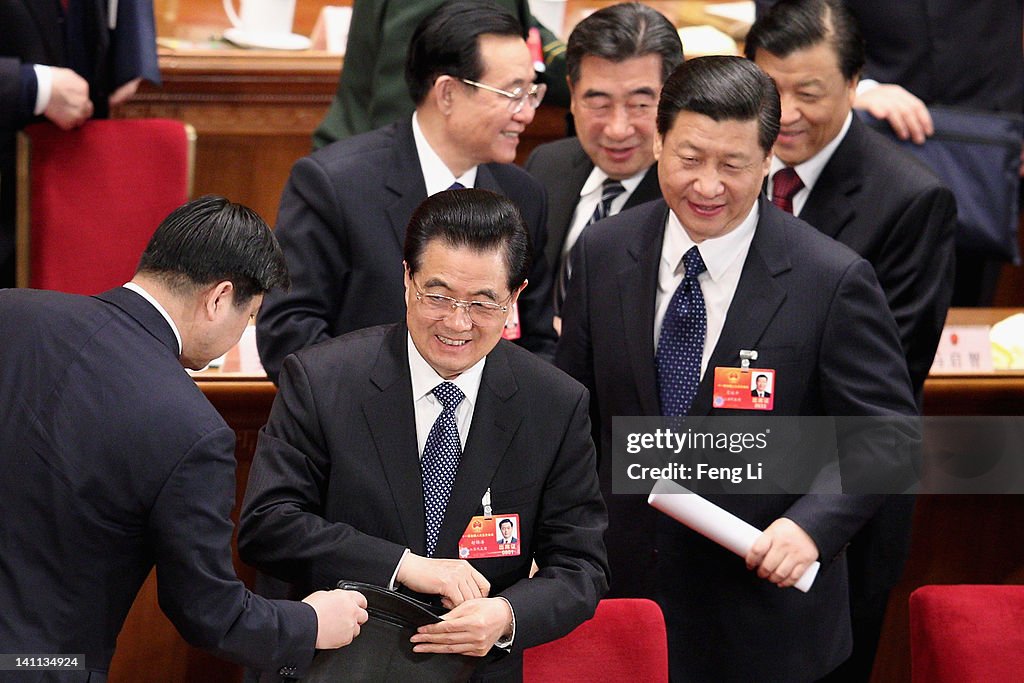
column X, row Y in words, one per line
column 90, row 198
column 967, row 634
column 625, row 641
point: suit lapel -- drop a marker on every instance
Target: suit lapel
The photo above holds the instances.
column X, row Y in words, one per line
column 755, row 303
column 496, row 417
column 648, row 189
column 562, row 204
column 404, row 181
column 392, row 423
column 638, row 283
column 832, row 203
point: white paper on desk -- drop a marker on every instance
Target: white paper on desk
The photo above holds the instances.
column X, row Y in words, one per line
column 711, row 521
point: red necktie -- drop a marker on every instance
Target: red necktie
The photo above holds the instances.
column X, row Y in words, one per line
column 785, row 184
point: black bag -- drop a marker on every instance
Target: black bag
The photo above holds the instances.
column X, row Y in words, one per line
column 382, row 651
column 977, row 155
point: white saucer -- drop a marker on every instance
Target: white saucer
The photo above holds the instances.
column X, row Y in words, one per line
column 269, row 41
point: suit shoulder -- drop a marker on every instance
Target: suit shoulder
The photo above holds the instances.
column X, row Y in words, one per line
column 536, row 374
column 630, row 226
column 897, row 168
column 360, row 150
column 514, row 180
column 557, row 152
column 343, row 350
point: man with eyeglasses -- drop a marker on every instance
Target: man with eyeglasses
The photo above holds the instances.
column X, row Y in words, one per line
column 392, row 453
column 617, row 59
column 345, row 208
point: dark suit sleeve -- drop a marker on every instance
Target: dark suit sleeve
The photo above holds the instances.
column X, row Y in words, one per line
column 133, row 44
column 574, row 354
column 198, row 589
column 569, row 547
column 863, row 373
column 535, row 303
column 915, row 267
column 312, row 234
column 283, row 528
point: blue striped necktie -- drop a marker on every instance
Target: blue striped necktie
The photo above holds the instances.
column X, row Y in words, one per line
column 610, row 190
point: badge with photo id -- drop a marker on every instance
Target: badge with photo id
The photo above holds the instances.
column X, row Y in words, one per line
column 492, row 536
column 744, row 388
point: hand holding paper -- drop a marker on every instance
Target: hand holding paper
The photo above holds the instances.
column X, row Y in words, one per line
column 707, row 519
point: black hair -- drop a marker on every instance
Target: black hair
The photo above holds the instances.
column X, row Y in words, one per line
column 792, row 25
column 480, row 220
column 622, row 32
column 447, row 42
column 722, row 88
column 211, row 239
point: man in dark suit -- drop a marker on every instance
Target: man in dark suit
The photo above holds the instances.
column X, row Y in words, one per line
column 507, row 532
column 617, row 59
column 386, row 447
column 117, row 463
column 345, row 208
column 66, row 65
column 372, row 92
column 761, row 388
column 859, row 188
column 663, row 295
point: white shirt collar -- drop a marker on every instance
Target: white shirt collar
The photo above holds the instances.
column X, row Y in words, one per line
column 718, row 253
column 597, row 177
column 156, row 304
column 425, row 378
column 810, row 170
column 436, row 175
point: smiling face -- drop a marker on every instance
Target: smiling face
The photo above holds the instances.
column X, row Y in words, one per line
column 453, row 345
column 480, row 126
column 615, row 105
column 710, row 172
column 815, row 99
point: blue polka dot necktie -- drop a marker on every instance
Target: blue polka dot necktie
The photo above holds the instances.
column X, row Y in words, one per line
column 681, row 340
column 440, row 461
column 456, row 186
column 610, row 190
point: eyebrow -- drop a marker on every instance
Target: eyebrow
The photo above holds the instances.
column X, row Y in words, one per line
column 636, row 91
column 438, row 282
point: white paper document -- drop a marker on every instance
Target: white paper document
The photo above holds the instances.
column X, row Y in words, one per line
column 711, row 521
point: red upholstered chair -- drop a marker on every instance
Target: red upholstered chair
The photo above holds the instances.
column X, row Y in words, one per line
column 967, row 634
column 89, row 199
column 625, row 641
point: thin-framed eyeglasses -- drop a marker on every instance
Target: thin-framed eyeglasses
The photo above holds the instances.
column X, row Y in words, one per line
column 516, row 98
column 481, row 313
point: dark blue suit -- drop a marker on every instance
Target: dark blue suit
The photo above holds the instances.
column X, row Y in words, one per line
column 815, row 313
column 342, row 226
column 115, row 463
column 335, row 491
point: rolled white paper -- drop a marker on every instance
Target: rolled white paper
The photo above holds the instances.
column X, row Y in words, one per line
column 711, row 521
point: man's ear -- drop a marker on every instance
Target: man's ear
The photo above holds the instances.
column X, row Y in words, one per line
column 443, row 93
column 657, row 147
column 218, row 298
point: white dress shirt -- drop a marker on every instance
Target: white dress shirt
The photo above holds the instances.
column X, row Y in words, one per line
column 590, row 197
column 724, row 257
column 810, row 170
column 436, row 175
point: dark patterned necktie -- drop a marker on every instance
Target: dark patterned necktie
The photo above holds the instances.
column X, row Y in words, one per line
column 785, row 184
column 440, row 461
column 456, row 186
column 681, row 340
column 610, row 189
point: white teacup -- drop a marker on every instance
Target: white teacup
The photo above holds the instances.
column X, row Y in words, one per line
column 262, row 17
